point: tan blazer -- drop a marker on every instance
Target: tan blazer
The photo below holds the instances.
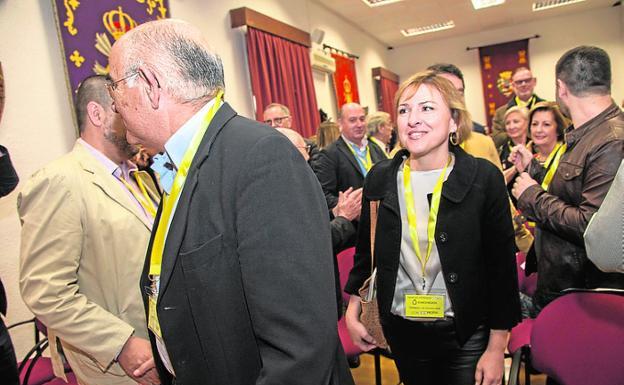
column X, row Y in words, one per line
column 83, row 246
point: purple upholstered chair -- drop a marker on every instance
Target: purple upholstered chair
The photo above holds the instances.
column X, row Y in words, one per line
column 578, row 339
column 35, row 369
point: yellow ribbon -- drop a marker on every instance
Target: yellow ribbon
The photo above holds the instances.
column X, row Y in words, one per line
column 433, row 214
column 169, row 200
column 144, row 200
column 552, row 162
column 381, row 145
column 367, row 162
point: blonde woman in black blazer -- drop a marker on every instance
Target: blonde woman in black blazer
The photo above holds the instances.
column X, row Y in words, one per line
column 471, row 270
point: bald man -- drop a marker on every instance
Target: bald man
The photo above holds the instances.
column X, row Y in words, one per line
column 346, row 162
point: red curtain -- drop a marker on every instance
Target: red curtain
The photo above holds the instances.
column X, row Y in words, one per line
column 387, row 90
column 345, row 81
column 280, row 72
column 497, row 63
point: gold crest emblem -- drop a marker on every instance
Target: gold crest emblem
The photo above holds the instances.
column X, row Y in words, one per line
column 117, row 23
column 503, row 83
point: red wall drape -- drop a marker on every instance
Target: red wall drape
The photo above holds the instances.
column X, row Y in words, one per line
column 345, row 80
column 497, row 64
column 280, row 72
column 388, row 89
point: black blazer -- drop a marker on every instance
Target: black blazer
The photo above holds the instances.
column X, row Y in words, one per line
column 337, row 169
column 8, row 176
column 474, row 236
column 247, row 287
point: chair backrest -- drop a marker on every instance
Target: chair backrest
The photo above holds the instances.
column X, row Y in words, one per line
column 579, row 339
column 345, row 264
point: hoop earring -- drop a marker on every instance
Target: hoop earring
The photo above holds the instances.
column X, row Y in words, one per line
column 454, row 139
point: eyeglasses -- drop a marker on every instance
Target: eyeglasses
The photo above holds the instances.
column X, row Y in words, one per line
column 307, row 147
column 522, row 81
column 276, row 121
column 112, row 86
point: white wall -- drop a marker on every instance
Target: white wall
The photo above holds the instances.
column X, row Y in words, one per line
column 601, row 27
column 37, row 127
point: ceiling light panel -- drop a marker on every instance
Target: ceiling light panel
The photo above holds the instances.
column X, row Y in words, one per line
column 428, row 28
column 379, row 3
column 478, row 4
column 548, row 4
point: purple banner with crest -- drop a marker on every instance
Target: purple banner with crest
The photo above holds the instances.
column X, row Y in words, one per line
column 497, row 63
column 88, row 29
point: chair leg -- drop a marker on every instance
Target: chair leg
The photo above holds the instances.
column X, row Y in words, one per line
column 527, row 366
column 377, row 357
column 39, row 349
column 514, row 372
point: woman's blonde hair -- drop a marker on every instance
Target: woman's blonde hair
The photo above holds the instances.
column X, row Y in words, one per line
column 516, row 109
column 451, row 96
column 326, row 134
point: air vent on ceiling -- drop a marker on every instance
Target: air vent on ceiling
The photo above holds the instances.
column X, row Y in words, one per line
column 378, row 3
column 478, row 4
column 548, row 4
column 428, row 28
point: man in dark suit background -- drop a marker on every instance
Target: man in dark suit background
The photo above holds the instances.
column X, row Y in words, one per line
column 346, row 162
column 8, row 363
column 238, row 283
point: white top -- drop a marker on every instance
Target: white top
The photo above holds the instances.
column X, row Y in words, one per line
column 409, row 277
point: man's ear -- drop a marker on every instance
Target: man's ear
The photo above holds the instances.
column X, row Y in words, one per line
column 562, row 89
column 153, row 86
column 96, row 114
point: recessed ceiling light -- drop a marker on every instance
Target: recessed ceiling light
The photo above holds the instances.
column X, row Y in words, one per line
column 478, row 4
column 548, row 4
column 378, row 3
column 428, row 28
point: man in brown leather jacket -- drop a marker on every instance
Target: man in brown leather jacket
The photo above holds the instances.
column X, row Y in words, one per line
column 595, row 149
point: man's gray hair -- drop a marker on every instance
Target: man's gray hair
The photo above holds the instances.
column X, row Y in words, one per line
column 284, row 109
column 376, row 120
column 189, row 70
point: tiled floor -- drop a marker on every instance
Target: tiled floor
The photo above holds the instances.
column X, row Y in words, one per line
column 365, row 373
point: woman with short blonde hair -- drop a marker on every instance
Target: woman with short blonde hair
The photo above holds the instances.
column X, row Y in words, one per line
column 444, row 253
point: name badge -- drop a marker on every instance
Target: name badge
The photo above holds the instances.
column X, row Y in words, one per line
column 425, row 305
column 152, row 322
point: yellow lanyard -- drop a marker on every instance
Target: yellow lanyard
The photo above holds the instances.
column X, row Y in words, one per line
column 366, row 162
column 552, row 162
column 526, row 104
column 433, row 214
column 169, row 200
column 381, row 145
column 144, row 200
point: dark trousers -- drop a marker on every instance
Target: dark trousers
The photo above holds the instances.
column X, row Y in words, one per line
column 428, row 352
column 8, row 363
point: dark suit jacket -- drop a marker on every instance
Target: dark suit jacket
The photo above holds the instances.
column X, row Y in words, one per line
column 247, row 287
column 8, row 176
column 337, row 169
column 474, row 236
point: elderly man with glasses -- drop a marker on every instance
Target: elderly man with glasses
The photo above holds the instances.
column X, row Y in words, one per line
column 238, row 280
column 522, row 83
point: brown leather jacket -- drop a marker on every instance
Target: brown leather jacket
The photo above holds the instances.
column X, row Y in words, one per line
column 580, row 184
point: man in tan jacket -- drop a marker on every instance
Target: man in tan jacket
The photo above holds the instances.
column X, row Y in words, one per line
column 86, row 221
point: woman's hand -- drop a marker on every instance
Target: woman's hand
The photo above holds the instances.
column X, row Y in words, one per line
column 357, row 331
column 491, row 364
column 521, row 157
